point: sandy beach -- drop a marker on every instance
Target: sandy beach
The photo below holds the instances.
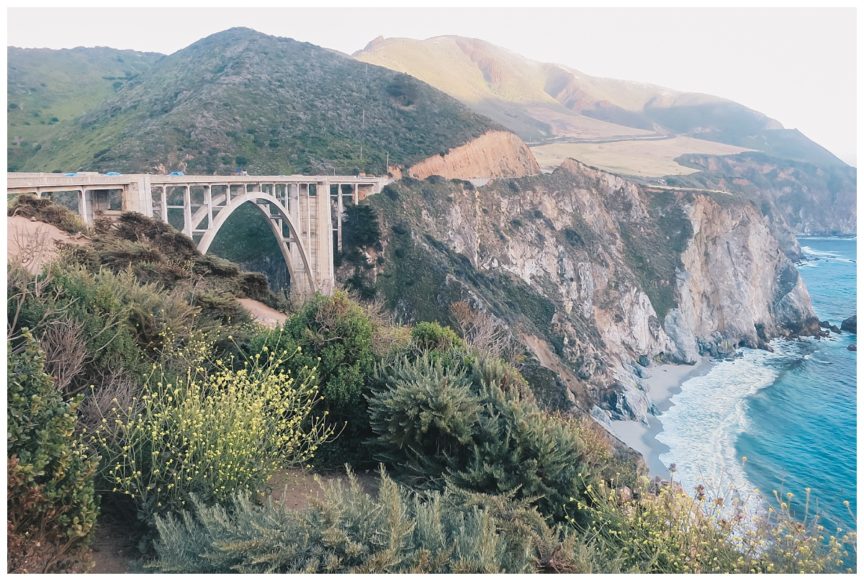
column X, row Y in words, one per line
column 661, row 383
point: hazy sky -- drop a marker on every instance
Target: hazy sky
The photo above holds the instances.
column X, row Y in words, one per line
column 796, row 65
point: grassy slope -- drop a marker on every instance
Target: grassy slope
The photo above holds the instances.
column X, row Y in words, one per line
column 506, row 87
column 47, row 89
column 270, row 105
column 639, row 158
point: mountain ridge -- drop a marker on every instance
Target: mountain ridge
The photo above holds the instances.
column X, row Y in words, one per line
column 639, row 106
column 239, row 98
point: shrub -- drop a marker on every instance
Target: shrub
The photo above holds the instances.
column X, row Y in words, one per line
column 210, row 433
column 431, row 336
column 338, row 331
column 434, row 421
column 424, row 416
column 95, row 307
column 50, row 487
column 350, row 531
column 518, row 448
column 668, row 531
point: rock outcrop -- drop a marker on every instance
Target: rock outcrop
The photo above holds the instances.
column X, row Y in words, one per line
column 494, row 154
column 735, row 286
column 607, row 274
column 850, row 324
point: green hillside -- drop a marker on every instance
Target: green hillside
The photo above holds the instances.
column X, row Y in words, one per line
column 47, row 89
column 243, row 99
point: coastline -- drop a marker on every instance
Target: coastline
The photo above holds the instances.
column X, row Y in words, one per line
column 661, row 383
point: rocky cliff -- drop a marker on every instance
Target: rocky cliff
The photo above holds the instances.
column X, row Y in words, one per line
column 592, row 273
column 796, row 196
column 492, row 155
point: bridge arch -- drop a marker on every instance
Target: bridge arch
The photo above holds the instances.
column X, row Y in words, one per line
column 264, row 202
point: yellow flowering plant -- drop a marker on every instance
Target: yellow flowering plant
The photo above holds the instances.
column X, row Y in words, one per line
column 659, row 528
column 224, row 427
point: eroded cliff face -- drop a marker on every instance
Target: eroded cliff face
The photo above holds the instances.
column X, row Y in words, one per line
column 492, row 155
column 592, row 273
column 735, row 285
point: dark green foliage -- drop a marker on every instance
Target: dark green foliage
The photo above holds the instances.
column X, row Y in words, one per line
column 50, row 490
column 360, row 229
column 337, row 336
column 339, row 332
column 424, row 417
column 435, row 421
column 519, row 449
column 248, row 240
column 351, row 531
column 361, row 235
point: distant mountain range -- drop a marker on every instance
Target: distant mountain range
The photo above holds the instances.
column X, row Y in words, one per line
column 650, row 133
column 240, row 99
column 545, row 102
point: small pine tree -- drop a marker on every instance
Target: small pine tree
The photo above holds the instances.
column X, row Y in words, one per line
column 424, row 417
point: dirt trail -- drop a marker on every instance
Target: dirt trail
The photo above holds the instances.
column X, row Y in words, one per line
column 265, row 315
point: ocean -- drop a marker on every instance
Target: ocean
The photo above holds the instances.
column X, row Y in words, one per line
column 781, row 421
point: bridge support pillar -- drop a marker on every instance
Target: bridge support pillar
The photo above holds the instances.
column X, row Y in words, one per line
column 187, row 211
column 136, row 196
column 324, row 240
column 299, row 284
column 339, row 210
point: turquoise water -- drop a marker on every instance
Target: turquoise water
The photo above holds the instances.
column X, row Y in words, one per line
column 791, row 413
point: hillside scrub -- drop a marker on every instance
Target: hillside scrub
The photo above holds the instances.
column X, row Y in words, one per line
column 665, row 530
column 350, row 531
column 50, row 473
column 224, row 427
column 437, row 423
column 343, row 341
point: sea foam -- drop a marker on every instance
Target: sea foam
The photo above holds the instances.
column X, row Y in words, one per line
column 704, row 421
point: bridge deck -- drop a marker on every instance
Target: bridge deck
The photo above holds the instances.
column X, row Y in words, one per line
column 28, row 182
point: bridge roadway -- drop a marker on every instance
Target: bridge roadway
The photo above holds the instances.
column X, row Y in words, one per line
column 303, row 221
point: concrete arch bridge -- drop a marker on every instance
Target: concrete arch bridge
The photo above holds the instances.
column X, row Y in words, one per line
column 305, row 213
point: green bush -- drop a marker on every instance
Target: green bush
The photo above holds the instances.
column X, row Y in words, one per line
column 99, row 306
column 434, row 422
column 340, row 333
column 50, row 488
column 350, row 531
column 431, row 336
column 339, row 338
column 212, row 433
column 424, row 417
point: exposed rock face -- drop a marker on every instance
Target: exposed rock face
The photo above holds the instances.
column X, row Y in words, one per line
column 492, row 155
column 850, row 324
column 734, row 284
column 607, row 274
